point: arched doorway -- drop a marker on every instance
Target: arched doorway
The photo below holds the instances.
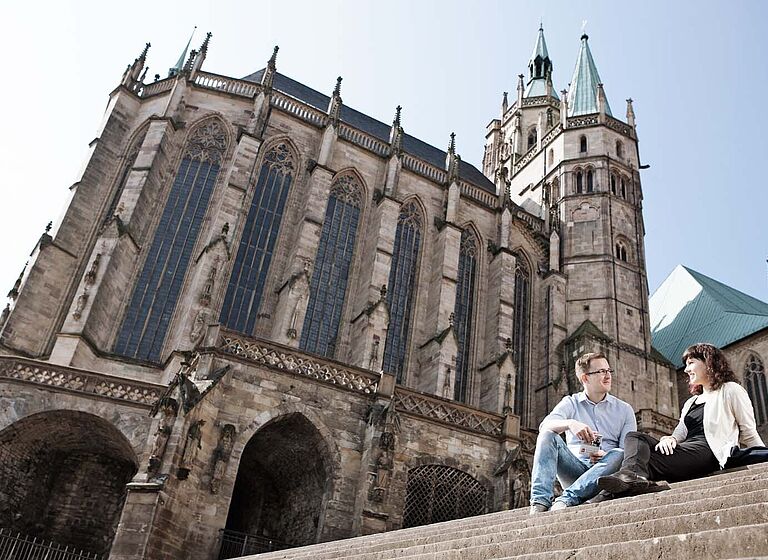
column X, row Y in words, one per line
column 436, row 493
column 62, row 478
column 283, row 481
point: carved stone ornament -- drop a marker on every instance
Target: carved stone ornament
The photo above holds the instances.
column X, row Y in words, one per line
column 90, row 276
column 192, row 445
column 168, row 408
column 208, row 143
column 221, row 456
column 82, row 299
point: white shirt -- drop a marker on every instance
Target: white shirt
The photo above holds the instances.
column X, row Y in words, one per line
column 729, row 420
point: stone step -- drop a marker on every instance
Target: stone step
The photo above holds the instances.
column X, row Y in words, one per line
column 745, row 541
column 719, row 501
column 557, row 524
column 580, row 535
column 689, row 492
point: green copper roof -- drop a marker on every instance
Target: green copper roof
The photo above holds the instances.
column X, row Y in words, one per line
column 582, row 93
column 689, row 307
column 538, row 87
column 541, row 46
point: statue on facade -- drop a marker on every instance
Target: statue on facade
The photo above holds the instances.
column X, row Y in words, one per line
column 221, row 456
column 169, row 409
column 191, row 447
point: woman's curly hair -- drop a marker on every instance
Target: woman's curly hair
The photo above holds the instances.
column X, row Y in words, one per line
column 717, row 366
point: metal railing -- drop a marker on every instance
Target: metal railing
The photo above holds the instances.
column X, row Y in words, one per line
column 15, row 546
column 235, row 544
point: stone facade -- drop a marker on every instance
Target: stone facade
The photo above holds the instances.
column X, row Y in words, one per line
column 242, row 429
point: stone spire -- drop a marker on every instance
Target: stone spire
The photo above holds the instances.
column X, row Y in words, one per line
column 520, row 90
column 268, row 78
column 540, row 70
column 452, row 160
column 334, row 107
column 197, row 63
column 396, row 133
column 179, row 66
column 504, row 104
column 583, row 92
column 630, row 113
column 133, row 74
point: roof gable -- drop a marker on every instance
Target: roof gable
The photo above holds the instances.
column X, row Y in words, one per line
column 690, row 307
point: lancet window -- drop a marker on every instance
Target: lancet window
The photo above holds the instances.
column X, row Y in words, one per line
column 332, row 266
column 754, row 377
column 159, row 284
column 402, row 288
column 521, row 333
column 464, row 311
column 257, row 242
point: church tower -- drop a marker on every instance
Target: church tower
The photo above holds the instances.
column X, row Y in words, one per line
column 568, row 160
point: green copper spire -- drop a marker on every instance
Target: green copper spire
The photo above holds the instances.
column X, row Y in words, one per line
column 180, row 63
column 582, row 93
column 539, row 68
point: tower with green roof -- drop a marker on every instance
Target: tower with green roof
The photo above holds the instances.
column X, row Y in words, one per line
column 568, row 160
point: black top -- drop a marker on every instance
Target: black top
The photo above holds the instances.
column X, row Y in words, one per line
column 694, row 421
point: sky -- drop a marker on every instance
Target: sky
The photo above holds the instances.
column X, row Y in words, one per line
column 695, row 70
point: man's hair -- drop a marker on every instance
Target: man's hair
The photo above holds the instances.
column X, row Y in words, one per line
column 582, row 364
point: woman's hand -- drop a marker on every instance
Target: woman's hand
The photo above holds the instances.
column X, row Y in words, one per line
column 666, row 445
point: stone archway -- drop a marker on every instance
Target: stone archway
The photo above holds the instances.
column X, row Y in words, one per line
column 62, row 478
column 282, row 485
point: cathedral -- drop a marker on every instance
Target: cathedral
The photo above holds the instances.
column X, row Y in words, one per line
column 266, row 319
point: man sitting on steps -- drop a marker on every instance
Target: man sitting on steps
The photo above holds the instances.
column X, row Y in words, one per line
column 596, row 424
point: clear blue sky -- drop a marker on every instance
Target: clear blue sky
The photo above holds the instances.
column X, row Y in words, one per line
column 696, row 71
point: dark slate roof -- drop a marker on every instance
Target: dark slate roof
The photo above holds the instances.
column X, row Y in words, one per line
column 689, row 307
column 412, row 145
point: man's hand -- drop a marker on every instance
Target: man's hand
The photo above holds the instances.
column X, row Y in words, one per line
column 581, row 431
column 666, row 445
column 596, row 456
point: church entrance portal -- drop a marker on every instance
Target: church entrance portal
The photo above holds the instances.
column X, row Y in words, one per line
column 63, row 477
column 282, row 481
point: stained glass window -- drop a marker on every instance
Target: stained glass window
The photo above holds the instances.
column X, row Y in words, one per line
column 257, row 242
column 332, row 266
column 402, row 287
column 463, row 311
column 520, row 337
column 754, row 376
column 159, row 284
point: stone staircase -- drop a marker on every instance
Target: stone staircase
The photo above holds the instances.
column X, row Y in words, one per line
column 721, row 516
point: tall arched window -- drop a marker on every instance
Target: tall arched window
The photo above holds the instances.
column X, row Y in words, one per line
column 158, row 287
column 257, row 242
column 754, row 377
column 521, row 333
column 623, row 188
column 619, row 149
column 579, row 182
column 463, row 311
column 621, row 251
column 613, row 184
column 532, row 137
column 130, row 160
column 555, row 191
column 590, row 180
column 328, row 287
column 583, row 144
column 402, row 288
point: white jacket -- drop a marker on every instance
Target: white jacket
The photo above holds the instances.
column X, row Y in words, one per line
column 729, row 421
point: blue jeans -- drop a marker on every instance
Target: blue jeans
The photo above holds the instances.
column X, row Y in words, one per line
column 578, row 479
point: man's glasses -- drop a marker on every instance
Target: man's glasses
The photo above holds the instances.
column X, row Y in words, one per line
column 603, row 372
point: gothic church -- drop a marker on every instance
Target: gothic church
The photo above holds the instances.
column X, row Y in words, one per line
column 266, row 319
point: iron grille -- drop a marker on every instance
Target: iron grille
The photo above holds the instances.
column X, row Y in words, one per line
column 235, row 544
column 436, row 493
column 15, row 546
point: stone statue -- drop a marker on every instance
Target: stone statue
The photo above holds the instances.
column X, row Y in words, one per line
column 191, row 446
column 221, row 456
column 169, row 408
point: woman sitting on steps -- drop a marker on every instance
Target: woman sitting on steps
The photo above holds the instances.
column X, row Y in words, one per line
column 714, row 422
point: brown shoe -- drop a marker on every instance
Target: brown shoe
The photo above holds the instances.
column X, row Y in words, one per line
column 623, row 482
